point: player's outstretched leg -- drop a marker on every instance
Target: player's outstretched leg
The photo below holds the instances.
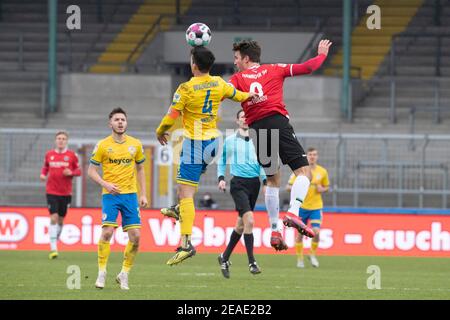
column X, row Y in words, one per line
column 187, row 216
column 272, row 200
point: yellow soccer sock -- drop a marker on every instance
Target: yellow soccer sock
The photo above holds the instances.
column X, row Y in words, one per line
column 299, row 250
column 187, row 216
column 129, row 255
column 314, row 246
column 103, row 254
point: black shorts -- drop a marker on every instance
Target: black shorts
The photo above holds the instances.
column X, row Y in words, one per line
column 58, row 204
column 273, row 136
column 245, row 192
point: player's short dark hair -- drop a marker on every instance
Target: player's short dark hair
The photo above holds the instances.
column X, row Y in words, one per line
column 62, row 132
column 239, row 113
column 249, row 48
column 115, row 111
column 311, row 149
column 203, row 58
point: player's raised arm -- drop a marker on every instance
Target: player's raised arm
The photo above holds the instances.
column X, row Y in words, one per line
column 312, row 64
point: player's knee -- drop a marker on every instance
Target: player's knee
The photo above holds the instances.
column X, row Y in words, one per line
column 299, row 238
column 274, row 181
column 54, row 219
column 317, row 234
column 249, row 224
column 107, row 234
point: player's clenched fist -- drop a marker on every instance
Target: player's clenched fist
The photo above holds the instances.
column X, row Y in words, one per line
column 324, row 46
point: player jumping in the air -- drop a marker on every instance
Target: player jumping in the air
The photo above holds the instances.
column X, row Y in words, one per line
column 120, row 155
column 272, row 134
column 60, row 166
column 198, row 101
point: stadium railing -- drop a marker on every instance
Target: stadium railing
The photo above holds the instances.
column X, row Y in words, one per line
column 382, row 165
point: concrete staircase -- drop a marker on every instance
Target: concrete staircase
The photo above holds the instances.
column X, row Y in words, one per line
column 152, row 15
column 369, row 47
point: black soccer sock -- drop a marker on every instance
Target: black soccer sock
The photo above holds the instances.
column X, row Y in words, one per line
column 234, row 239
column 248, row 238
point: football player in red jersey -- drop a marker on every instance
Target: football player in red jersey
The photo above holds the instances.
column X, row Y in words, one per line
column 271, row 132
column 60, row 166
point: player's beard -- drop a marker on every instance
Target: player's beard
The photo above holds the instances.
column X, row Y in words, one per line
column 118, row 132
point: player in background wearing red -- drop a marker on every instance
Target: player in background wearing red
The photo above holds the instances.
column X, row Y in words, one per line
column 60, row 166
column 270, row 129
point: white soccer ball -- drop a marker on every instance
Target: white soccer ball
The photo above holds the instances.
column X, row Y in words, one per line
column 198, row 34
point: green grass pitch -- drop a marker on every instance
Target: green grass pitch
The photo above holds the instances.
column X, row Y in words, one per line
column 30, row 275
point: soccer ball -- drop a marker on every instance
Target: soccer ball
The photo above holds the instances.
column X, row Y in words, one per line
column 198, row 34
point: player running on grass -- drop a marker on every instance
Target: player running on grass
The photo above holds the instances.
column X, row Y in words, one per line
column 272, row 134
column 119, row 155
column 198, row 101
column 244, row 188
column 60, row 166
column 311, row 210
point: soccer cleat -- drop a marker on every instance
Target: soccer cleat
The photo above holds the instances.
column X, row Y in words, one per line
column 172, row 212
column 101, row 279
column 254, row 268
column 314, row 261
column 224, row 266
column 122, row 280
column 181, row 255
column 300, row 264
column 53, row 255
column 277, row 242
column 296, row 223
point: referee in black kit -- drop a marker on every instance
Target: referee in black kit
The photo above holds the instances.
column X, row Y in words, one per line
column 239, row 152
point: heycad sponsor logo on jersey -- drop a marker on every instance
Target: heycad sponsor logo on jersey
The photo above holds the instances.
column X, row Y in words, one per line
column 434, row 239
column 120, row 161
column 13, row 227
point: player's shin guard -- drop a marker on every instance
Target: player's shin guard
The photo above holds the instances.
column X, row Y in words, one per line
column 187, row 216
column 103, row 254
column 60, row 227
column 129, row 255
column 53, row 231
column 314, row 246
column 298, row 193
column 272, row 199
column 299, row 250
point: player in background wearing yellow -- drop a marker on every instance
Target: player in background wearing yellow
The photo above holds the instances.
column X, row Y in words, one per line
column 121, row 157
column 198, row 101
column 311, row 209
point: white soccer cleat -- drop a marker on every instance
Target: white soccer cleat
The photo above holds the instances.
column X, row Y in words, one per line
column 300, row 264
column 101, row 279
column 122, row 279
column 314, row 261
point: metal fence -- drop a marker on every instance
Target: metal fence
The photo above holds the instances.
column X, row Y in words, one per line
column 364, row 169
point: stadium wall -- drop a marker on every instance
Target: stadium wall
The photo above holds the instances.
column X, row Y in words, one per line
column 343, row 233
